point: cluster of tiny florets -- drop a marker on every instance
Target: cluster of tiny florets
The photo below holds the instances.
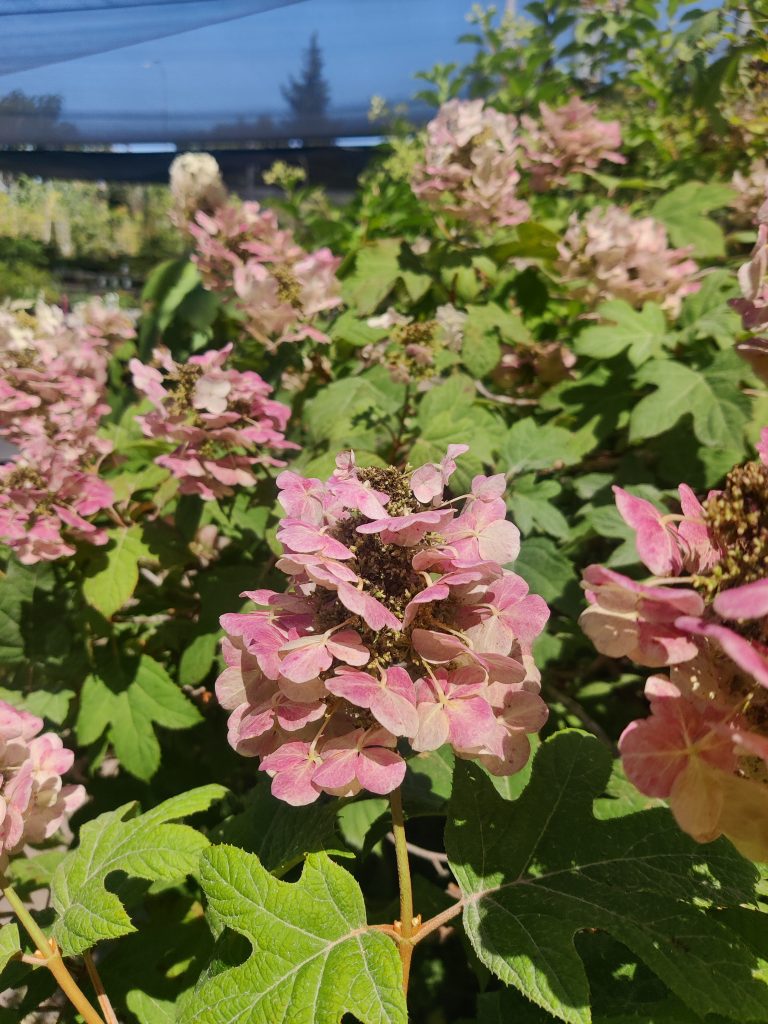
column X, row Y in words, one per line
column 399, row 623
column 609, row 254
column 52, row 401
column 476, row 157
column 568, row 140
column 242, row 252
column 220, row 421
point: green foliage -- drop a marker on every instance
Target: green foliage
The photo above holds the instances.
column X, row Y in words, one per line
column 144, row 846
column 641, row 335
column 710, row 395
column 312, row 953
column 111, row 576
column 582, row 900
column 536, row 871
column 127, row 699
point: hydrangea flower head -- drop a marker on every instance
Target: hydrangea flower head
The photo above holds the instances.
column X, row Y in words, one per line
column 196, row 184
column 567, row 140
column 399, row 622
column 705, row 746
column 472, row 165
column 753, row 279
column 242, row 252
column 609, row 254
column 33, row 800
column 52, row 400
column 751, row 189
column 221, row 421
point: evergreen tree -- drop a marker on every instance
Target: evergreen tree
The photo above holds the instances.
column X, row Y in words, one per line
column 309, row 94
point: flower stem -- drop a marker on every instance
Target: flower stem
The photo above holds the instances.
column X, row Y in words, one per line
column 51, row 957
column 407, row 921
column 104, row 1004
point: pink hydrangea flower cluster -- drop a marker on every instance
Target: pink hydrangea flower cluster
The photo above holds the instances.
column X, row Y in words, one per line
column 753, row 277
column 399, row 623
column 609, row 254
column 410, row 351
column 751, row 189
column 52, row 388
column 241, row 251
column 472, row 165
column 568, row 140
column 33, row 801
column 705, row 746
column 220, row 421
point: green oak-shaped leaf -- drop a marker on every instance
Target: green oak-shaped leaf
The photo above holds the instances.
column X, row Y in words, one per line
column 128, row 699
column 641, row 334
column 314, row 958
column 146, row 846
column 113, row 573
column 712, row 396
column 536, row 871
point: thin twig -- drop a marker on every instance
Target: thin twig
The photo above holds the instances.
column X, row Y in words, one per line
column 503, row 399
column 438, row 921
column 50, row 954
column 106, row 1007
column 436, row 859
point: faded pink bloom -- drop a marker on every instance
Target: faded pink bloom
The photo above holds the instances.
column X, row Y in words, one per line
column 321, row 681
column 471, row 165
column 568, row 140
column 52, row 400
column 221, row 421
column 669, row 542
column 697, row 756
column 281, row 289
column 609, row 254
column 753, row 278
column 428, row 482
column 629, row 619
column 751, row 189
column 33, row 801
column 362, row 759
column 411, row 350
column 705, row 746
column 42, row 513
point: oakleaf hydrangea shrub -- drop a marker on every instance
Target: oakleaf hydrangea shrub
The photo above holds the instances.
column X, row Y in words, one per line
column 304, row 716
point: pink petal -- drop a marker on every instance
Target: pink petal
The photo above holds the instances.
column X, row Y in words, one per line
column 747, row 602
column 433, row 726
column 373, row 612
column 304, row 658
column 472, row 722
column 380, row 770
column 750, row 657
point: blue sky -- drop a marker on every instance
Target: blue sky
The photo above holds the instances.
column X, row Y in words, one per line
column 236, row 68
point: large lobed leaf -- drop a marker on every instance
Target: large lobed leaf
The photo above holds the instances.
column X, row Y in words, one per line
column 112, row 574
column 535, row 871
column 145, row 847
column 313, row 957
column 128, row 699
column 712, row 396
